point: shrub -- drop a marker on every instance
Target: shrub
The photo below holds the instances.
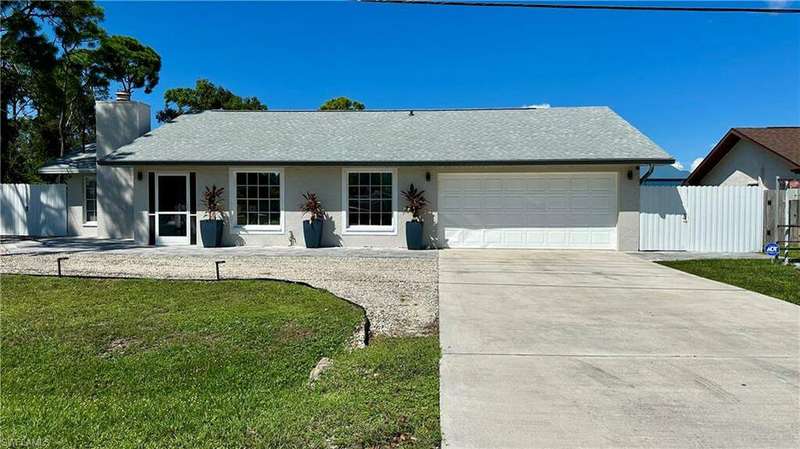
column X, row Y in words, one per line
column 212, row 201
column 312, row 206
column 416, row 202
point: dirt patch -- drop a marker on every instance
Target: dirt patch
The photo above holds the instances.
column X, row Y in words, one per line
column 293, row 332
column 118, row 346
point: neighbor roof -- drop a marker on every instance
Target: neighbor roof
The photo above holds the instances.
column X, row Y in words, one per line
column 76, row 161
column 783, row 141
column 467, row 136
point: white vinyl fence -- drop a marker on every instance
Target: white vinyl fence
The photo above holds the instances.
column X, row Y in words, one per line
column 701, row 218
column 33, row 209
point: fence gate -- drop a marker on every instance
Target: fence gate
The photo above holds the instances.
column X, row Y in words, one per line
column 38, row 210
column 701, row 218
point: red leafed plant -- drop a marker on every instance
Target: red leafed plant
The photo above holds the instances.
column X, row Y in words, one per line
column 312, row 206
column 416, row 202
column 212, row 201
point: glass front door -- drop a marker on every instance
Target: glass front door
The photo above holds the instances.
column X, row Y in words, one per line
column 172, row 209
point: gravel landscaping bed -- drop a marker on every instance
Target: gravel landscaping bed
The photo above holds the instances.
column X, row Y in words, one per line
column 400, row 294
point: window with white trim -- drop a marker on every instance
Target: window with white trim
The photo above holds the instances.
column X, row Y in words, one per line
column 90, row 200
column 370, row 200
column 258, row 199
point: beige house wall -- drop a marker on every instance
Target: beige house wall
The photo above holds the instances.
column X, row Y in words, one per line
column 327, row 181
column 747, row 163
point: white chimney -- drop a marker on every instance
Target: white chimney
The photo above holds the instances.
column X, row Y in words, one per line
column 118, row 124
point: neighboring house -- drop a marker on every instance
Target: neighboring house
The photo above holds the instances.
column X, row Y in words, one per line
column 516, row 178
column 663, row 175
column 77, row 169
column 751, row 156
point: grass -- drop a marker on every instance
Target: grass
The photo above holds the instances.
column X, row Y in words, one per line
column 759, row 275
column 182, row 364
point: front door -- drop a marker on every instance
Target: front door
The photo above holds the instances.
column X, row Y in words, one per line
column 172, row 209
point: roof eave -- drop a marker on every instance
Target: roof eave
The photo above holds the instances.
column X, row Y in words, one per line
column 66, row 171
column 625, row 161
column 715, row 155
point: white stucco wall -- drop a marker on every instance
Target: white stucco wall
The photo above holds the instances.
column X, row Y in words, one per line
column 76, row 224
column 118, row 124
column 748, row 163
column 327, row 183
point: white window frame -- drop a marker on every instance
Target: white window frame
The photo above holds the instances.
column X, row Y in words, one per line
column 369, row 229
column 87, row 223
column 236, row 228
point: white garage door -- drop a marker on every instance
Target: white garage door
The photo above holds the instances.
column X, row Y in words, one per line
column 563, row 210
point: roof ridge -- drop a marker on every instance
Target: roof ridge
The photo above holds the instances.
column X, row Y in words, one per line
column 415, row 109
column 767, row 127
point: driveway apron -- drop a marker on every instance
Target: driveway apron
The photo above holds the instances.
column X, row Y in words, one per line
column 606, row 350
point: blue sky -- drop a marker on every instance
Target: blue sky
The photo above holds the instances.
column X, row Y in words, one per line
column 683, row 79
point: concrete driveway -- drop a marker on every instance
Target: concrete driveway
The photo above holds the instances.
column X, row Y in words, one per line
column 604, row 349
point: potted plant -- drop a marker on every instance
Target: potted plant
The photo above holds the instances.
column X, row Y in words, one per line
column 415, row 204
column 312, row 228
column 211, row 228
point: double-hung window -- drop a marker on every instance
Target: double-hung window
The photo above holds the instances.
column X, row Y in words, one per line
column 370, row 200
column 90, row 200
column 258, row 199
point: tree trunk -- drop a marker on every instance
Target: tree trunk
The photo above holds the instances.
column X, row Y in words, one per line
column 61, row 133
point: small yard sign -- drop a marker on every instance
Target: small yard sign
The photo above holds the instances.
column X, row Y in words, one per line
column 771, row 249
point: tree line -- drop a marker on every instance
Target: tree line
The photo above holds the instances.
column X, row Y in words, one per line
column 56, row 60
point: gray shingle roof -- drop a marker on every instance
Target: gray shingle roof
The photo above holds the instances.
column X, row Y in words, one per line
column 76, row 161
column 477, row 136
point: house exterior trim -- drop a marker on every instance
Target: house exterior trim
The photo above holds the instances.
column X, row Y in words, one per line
column 378, row 164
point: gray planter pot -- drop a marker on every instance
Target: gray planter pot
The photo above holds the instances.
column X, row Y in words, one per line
column 414, row 238
column 312, row 233
column 211, row 233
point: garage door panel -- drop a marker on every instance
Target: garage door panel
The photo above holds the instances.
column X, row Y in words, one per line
column 580, row 237
column 514, row 203
column 534, row 238
column 580, row 185
column 515, row 186
column 601, row 237
column 536, row 203
column 604, row 204
column 559, row 184
column 529, row 210
column 514, row 238
column 536, row 185
column 467, row 238
column 556, row 237
column 603, row 184
column 557, row 203
column 582, row 202
column 533, row 220
column 493, row 238
column 450, row 201
column 493, row 185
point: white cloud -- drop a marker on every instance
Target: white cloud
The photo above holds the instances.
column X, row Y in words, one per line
column 777, row 3
column 678, row 165
column 536, row 106
column 696, row 163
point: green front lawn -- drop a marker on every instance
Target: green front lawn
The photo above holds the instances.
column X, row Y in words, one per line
column 146, row 363
column 759, row 275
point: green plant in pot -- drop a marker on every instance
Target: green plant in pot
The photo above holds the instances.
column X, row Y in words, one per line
column 312, row 228
column 416, row 203
column 211, row 228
